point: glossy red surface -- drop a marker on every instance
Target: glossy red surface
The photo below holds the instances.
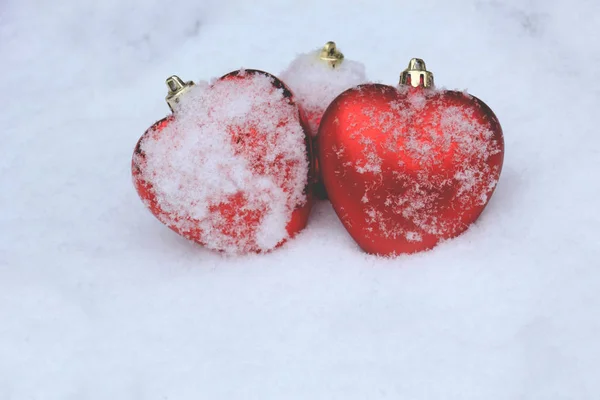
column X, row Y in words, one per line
column 405, row 169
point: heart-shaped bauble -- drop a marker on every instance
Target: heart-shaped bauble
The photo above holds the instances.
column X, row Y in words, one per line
column 316, row 78
column 409, row 166
column 230, row 167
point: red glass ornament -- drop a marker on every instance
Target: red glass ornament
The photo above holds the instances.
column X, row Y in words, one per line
column 237, row 223
column 406, row 167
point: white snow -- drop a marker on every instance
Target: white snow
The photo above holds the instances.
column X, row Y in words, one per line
column 231, row 164
column 99, row 300
column 315, row 83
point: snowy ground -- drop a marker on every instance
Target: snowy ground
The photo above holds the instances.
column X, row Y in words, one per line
column 99, row 301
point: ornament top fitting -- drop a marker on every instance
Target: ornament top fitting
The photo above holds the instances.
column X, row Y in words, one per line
column 177, row 87
column 331, row 55
column 416, row 74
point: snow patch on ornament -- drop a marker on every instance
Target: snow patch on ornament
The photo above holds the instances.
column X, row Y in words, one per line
column 231, row 167
column 315, row 83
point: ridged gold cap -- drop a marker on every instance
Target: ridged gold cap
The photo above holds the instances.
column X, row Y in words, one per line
column 331, row 55
column 177, row 87
column 416, row 74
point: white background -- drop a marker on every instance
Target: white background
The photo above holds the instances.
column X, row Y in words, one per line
column 98, row 300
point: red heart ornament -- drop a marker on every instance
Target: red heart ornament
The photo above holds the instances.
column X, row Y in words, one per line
column 229, row 169
column 406, row 167
column 316, row 78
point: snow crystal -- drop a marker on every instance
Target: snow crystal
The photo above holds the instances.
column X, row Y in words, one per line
column 231, row 167
column 413, row 237
column 315, row 83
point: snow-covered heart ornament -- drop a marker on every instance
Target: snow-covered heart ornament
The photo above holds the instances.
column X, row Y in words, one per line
column 316, row 78
column 406, row 167
column 229, row 168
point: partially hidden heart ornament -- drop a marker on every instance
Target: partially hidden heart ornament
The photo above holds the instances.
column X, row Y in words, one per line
column 316, row 78
column 409, row 166
column 229, row 168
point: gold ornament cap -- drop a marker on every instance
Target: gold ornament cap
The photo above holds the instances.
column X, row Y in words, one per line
column 331, row 55
column 177, row 87
column 416, row 74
